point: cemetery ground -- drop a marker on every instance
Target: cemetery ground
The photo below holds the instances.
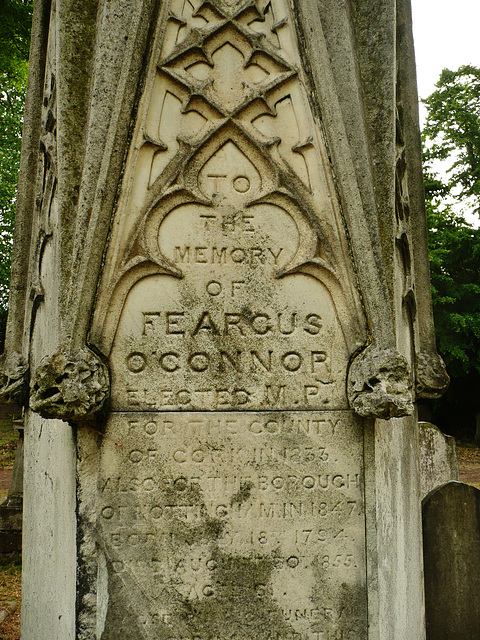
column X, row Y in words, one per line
column 10, row 565
column 468, row 454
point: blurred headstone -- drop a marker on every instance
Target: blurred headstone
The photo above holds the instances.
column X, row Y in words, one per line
column 438, row 458
column 12, row 507
column 451, row 543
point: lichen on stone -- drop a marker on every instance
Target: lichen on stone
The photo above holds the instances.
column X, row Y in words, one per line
column 432, row 379
column 379, row 384
column 69, row 386
column 13, row 378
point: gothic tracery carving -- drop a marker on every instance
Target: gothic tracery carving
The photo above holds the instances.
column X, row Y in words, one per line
column 228, row 73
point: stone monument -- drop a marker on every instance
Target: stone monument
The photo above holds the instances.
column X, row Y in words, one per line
column 451, row 530
column 220, row 322
column 438, row 458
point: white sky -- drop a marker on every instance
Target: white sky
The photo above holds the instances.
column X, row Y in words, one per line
column 447, row 35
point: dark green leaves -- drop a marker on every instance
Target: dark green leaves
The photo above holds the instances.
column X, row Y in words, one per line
column 15, row 25
column 14, row 45
column 452, row 135
column 455, row 272
column 452, row 131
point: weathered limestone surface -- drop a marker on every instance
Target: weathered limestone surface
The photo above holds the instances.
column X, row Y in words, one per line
column 233, row 521
column 225, row 324
column 451, row 529
column 438, row 458
column 49, row 531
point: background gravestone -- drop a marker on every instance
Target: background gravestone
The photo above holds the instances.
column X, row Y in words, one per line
column 226, row 322
column 11, row 507
column 438, row 458
column 451, row 543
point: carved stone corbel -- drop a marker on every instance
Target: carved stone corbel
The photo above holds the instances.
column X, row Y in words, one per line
column 379, row 384
column 70, row 386
column 14, row 373
column 432, row 379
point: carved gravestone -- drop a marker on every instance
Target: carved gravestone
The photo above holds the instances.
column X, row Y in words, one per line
column 222, row 302
column 451, row 547
column 438, row 458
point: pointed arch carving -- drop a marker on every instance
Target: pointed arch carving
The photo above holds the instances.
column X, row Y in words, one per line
column 313, row 255
column 249, row 110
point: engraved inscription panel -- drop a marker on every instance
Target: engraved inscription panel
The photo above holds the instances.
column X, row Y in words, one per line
column 237, row 525
column 234, row 331
column 230, row 497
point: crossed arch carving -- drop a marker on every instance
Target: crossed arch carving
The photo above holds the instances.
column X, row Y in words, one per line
column 260, row 107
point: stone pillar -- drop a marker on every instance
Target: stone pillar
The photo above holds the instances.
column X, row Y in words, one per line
column 226, row 323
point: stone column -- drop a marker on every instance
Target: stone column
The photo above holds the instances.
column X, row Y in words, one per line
column 226, row 322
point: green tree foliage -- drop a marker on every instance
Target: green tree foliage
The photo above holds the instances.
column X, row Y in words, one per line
column 452, row 131
column 452, row 134
column 12, row 97
column 15, row 38
column 15, row 22
column 455, row 273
